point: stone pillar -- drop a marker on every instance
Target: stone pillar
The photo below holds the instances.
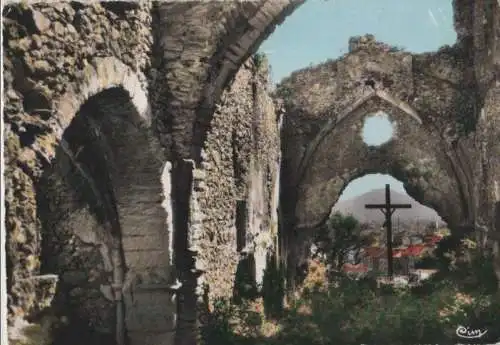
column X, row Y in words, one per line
column 257, row 213
column 188, row 181
column 496, row 242
column 195, row 232
column 489, row 134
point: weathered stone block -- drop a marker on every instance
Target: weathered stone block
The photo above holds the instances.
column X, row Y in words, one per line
column 141, row 259
column 152, row 311
column 131, row 243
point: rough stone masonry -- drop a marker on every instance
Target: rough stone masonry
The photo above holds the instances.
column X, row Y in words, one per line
column 144, row 156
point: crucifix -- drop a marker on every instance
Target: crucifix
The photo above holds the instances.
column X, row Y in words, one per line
column 388, row 209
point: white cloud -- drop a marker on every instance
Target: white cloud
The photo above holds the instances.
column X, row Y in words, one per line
column 433, row 19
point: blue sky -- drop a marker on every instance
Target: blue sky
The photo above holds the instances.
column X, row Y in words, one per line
column 320, row 29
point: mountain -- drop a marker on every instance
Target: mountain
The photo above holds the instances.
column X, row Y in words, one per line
column 356, row 207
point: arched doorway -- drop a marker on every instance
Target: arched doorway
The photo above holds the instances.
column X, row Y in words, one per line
column 333, row 152
column 104, row 205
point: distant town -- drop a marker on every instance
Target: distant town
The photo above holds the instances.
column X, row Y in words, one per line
column 411, row 242
column 415, row 235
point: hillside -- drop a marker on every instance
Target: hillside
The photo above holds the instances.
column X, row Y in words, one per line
column 356, row 207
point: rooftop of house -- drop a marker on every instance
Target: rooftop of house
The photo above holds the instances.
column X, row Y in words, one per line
column 412, row 250
column 433, row 239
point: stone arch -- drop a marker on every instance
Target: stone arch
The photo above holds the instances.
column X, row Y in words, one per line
column 101, row 74
column 102, row 204
column 338, row 155
column 250, row 27
column 258, row 27
column 379, row 95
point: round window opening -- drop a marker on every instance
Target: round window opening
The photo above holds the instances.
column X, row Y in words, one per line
column 377, row 129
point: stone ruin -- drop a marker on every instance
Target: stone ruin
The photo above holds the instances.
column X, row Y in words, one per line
column 145, row 153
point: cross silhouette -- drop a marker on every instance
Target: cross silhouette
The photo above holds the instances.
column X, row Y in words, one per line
column 388, row 209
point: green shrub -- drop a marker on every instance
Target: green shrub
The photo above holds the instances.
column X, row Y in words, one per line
column 273, row 291
column 259, row 60
column 352, row 312
column 219, row 329
column 477, row 276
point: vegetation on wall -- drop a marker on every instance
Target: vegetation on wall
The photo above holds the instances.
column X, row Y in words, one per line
column 284, row 92
column 260, row 60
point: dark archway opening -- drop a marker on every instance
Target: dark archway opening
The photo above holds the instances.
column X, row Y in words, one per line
column 76, row 200
column 245, row 287
column 241, row 224
column 102, row 222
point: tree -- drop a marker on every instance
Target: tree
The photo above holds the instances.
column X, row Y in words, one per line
column 337, row 237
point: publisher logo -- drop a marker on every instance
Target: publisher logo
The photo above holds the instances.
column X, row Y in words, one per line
column 468, row 333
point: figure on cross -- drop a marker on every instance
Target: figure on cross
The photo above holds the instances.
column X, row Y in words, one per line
column 388, row 209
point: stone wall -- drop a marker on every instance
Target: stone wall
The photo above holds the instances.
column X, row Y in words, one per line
column 201, row 46
column 95, row 208
column 45, row 81
column 58, row 57
column 240, row 162
column 453, row 92
column 478, row 27
column 325, row 108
